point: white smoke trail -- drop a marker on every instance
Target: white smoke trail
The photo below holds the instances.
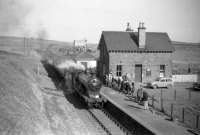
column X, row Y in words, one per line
column 70, row 65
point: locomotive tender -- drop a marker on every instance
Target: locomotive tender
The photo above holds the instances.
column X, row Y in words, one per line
column 88, row 87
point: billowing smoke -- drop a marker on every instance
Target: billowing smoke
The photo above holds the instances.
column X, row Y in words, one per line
column 12, row 15
column 42, row 35
column 16, row 19
column 70, row 65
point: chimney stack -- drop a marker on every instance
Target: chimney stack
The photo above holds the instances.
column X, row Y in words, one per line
column 141, row 35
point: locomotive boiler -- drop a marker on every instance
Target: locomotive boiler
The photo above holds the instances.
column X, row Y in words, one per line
column 88, row 87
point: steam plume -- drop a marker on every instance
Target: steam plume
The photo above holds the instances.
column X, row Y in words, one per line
column 70, row 65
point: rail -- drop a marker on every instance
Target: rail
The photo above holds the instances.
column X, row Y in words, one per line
column 108, row 123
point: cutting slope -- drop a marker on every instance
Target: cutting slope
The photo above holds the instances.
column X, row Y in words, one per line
column 29, row 102
column 20, row 102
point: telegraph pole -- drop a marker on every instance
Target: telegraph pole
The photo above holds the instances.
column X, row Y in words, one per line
column 24, row 46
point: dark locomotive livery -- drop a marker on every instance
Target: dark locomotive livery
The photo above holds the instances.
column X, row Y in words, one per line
column 88, row 87
column 85, row 84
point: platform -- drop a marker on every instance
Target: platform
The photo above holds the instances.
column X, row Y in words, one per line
column 153, row 122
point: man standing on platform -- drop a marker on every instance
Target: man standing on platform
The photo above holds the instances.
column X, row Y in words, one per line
column 107, row 79
column 110, row 76
column 139, row 94
column 145, row 100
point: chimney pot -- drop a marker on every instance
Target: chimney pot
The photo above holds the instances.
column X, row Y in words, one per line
column 141, row 35
column 140, row 25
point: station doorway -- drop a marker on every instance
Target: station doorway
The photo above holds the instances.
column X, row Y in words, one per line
column 138, row 73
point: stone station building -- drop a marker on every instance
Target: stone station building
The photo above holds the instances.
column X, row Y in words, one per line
column 143, row 56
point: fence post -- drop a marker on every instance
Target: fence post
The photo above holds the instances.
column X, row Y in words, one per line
column 161, row 101
column 172, row 109
column 197, row 121
column 153, row 101
column 175, row 94
column 183, row 115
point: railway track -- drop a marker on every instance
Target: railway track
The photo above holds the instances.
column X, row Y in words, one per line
column 99, row 120
column 107, row 125
column 102, row 121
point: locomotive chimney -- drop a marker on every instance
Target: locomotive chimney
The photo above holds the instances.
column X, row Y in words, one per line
column 141, row 35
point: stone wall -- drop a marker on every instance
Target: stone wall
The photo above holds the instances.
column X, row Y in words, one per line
column 150, row 61
column 103, row 62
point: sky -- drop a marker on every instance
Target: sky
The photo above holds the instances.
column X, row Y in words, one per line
column 68, row 20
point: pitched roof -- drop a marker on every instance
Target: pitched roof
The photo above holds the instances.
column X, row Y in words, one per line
column 85, row 56
column 127, row 41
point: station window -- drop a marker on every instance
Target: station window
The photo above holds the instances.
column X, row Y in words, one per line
column 119, row 70
column 148, row 72
column 162, row 70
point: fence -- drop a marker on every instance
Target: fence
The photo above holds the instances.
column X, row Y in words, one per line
column 185, row 78
column 176, row 110
column 175, row 105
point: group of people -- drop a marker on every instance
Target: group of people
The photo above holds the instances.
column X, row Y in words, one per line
column 123, row 84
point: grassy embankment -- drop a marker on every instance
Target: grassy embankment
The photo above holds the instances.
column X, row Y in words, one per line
column 30, row 104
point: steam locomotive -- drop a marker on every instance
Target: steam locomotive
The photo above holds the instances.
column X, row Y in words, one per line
column 88, row 87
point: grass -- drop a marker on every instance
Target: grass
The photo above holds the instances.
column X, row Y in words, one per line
column 27, row 104
column 186, row 56
column 24, row 108
column 20, row 106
